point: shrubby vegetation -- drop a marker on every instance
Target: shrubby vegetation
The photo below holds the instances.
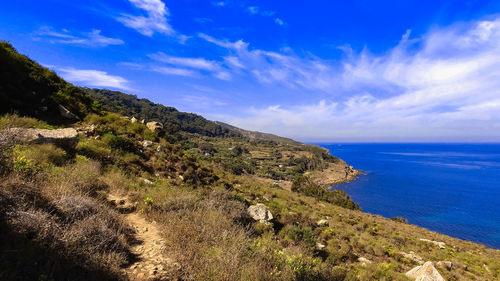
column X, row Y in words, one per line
column 55, row 223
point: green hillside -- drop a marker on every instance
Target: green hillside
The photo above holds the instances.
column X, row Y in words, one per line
column 104, row 197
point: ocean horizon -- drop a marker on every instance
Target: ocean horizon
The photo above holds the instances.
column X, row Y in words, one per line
column 451, row 188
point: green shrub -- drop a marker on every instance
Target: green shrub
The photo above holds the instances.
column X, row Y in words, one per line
column 16, row 121
column 118, row 142
column 298, row 234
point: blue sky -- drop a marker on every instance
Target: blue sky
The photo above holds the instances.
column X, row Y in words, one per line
column 311, row 70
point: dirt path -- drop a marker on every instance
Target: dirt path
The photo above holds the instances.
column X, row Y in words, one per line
column 149, row 262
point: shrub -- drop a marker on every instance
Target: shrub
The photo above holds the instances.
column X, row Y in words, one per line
column 299, row 234
column 16, row 121
column 118, row 142
column 400, row 219
column 40, row 155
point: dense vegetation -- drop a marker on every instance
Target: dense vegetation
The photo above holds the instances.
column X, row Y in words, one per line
column 143, row 109
column 56, row 224
column 30, row 89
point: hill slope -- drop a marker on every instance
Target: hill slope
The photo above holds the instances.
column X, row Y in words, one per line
column 198, row 190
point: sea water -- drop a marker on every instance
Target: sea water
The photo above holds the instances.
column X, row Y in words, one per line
column 449, row 188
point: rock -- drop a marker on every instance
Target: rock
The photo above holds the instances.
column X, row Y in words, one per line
column 260, row 212
column 67, row 114
column 147, row 143
column 446, row 264
column 426, row 272
column 441, row 245
column 364, row 261
column 159, row 148
column 323, row 222
column 142, row 121
column 133, row 120
column 412, row 256
column 181, row 177
column 320, row 246
column 146, row 181
column 153, row 126
column 30, row 135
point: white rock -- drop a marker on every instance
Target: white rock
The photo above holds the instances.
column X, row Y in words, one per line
column 364, row 261
column 412, row 256
column 426, row 272
column 446, row 264
column 441, row 245
column 260, row 212
column 133, row 120
column 323, row 222
column 43, row 135
column 320, row 246
column 67, row 114
column 153, row 126
column 147, row 143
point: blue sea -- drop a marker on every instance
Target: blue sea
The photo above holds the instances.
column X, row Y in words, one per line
column 449, row 188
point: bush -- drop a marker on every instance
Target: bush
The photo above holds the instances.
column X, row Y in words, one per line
column 299, row 234
column 16, row 121
column 306, row 186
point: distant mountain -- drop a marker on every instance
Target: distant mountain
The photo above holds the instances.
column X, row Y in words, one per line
column 258, row 135
column 173, row 120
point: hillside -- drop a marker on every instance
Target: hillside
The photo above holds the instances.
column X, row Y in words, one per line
column 105, row 197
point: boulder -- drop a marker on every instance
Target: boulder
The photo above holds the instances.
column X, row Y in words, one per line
column 323, row 222
column 31, row 135
column 445, row 264
column 441, row 245
column 425, row 272
column 147, row 143
column 260, row 212
column 153, row 126
column 320, row 246
column 67, row 114
column 146, row 181
column 133, row 120
column 364, row 261
column 412, row 256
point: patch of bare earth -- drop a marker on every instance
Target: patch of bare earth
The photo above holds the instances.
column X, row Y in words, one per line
column 149, row 261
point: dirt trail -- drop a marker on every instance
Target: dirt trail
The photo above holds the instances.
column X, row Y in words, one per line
column 149, row 262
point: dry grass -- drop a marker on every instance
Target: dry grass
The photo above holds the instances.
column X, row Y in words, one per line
column 66, row 235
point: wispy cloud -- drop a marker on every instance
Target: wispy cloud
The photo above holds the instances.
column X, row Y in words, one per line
column 197, row 63
column 64, row 36
column 279, row 21
column 95, row 78
column 154, row 20
column 178, row 66
column 253, row 10
column 174, row 71
column 445, row 83
column 220, row 3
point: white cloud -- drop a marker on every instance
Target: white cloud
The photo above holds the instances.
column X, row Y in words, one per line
column 186, row 66
column 95, row 78
column 155, row 19
column 443, row 86
column 220, row 3
column 240, row 44
column 174, row 71
column 197, row 63
column 279, row 21
column 253, row 10
column 90, row 39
